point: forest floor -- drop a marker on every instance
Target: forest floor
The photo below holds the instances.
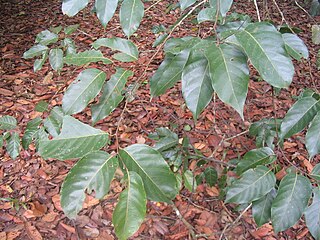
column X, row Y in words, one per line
column 33, row 184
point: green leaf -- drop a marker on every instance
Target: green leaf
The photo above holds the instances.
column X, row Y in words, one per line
column 75, row 140
column 159, row 182
column 72, row 7
column 71, row 29
column 291, row 201
column 131, row 14
column 224, row 6
column 131, row 208
column 1, row 141
column 261, row 209
column 299, row 116
column 56, row 30
column 186, row 3
column 211, row 176
column 56, row 59
column 315, row 173
column 129, row 51
column 31, row 131
column 168, row 139
column 253, row 184
column 41, row 106
column 189, row 181
column 111, row 95
column 85, row 88
column 105, row 10
column 315, row 29
column 312, row 215
column 69, row 45
column 13, row 145
column 41, row 135
column 160, row 39
column 94, row 171
column 229, row 75
column 313, row 136
column 196, row 83
column 168, row 73
column 35, row 51
column 267, row 54
column 38, row 63
column 54, row 121
column 7, row 122
column 255, row 157
column 295, row 46
column 46, row 37
column 86, row 57
column 207, row 14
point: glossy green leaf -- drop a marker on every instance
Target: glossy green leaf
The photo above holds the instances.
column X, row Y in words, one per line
column 299, row 116
column 111, row 95
column 131, row 208
column 267, row 54
column 69, row 45
column 35, row 51
column 75, row 140
column 207, row 14
column 189, row 181
column 38, row 63
column 291, row 201
column 30, row 132
column 131, row 14
column 255, row 157
column 72, row 7
column 261, row 209
column 46, row 37
column 229, row 75
column 129, row 51
column 211, row 176
column 313, row 136
column 312, row 215
column 82, row 90
column 41, row 106
column 94, row 171
column 177, row 45
column 253, row 184
column 71, row 29
column 196, row 83
column 86, row 57
column 56, row 59
column 159, row 181
column 315, row 173
column 295, row 46
column 168, row 73
column 186, row 3
column 224, row 6
column 54, row 121
column 105, row 10
column 13, row 145
column 7, row 122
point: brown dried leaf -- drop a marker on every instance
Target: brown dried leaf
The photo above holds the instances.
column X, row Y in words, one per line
column 32, row 231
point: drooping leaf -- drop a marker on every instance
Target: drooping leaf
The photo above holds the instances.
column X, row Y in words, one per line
column 54, row 121
column 41, row 106
column 177, row 45
column 38, row 63
column 299, row 116
column 7, row 122
column 167, row 139
column 13, row 145
column 313, row 136
column 255, row 157
column 105, row 10
column 224, row 6
column 56, row 59
column 291, row 201
column 211, row 176
column 295, row 46
column 31, row 131
column 35, row 51
column 86, row 87
column 207, row 14
column 315, row 29
column 261, row 208
column 129, row 51
column 315, row 173
column 56, row 30
column 312, row 215
column 186, row 3
column 71, row 29
column 86, row 57
column 111, row 95
column 189, row 180
column 131, row 14
column 253, row 184
column 159, row 182
column 75, row 140
column 46, row 37
column 72, row 7
column 41, row 135
column 267, row 54
column 229, row 75
column 160, row 39
column 94, row 171
column 131, row 208
column 69, row 45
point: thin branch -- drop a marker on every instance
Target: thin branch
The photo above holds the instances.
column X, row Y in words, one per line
column 152, row 5
column 185, row 222
column 283, row 19
column 305, row 11
column 257, row 9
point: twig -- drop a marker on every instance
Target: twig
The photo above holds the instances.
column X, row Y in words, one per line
column 152, row 5
column 237, row 135
column 185, row 222
column 257, row 9
column 213, row 160
column 283, row 19
column 118, row 124
column 299, row 6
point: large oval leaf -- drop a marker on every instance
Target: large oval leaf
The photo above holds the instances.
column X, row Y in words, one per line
column 13, row 145
column 224, row 6
column 312, row 215
column 131, row 208
column 229, row 74
column 261, row 209
column 35, row 51
column 252, row 185
column 267, row 54
column 54, row 121
column 315, row 173
column 7, row 122
column 291, row 201
column 31, row 132
column 105, row 10
column 111, row 95
column 86, row 57
column 131, row 14
column 299, row 116
column 75, row 140
column 46, row 37
column 295, row 46
column 72, row 7
column 207, row 14
column 92, row 172
column 82, row 90
column 56, row 59
column 313, row 136
column 159, row 181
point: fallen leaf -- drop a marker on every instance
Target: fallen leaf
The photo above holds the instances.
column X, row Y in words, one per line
column 32, row 231
column 50, row 217
column 67, row 227
column 56, row 202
